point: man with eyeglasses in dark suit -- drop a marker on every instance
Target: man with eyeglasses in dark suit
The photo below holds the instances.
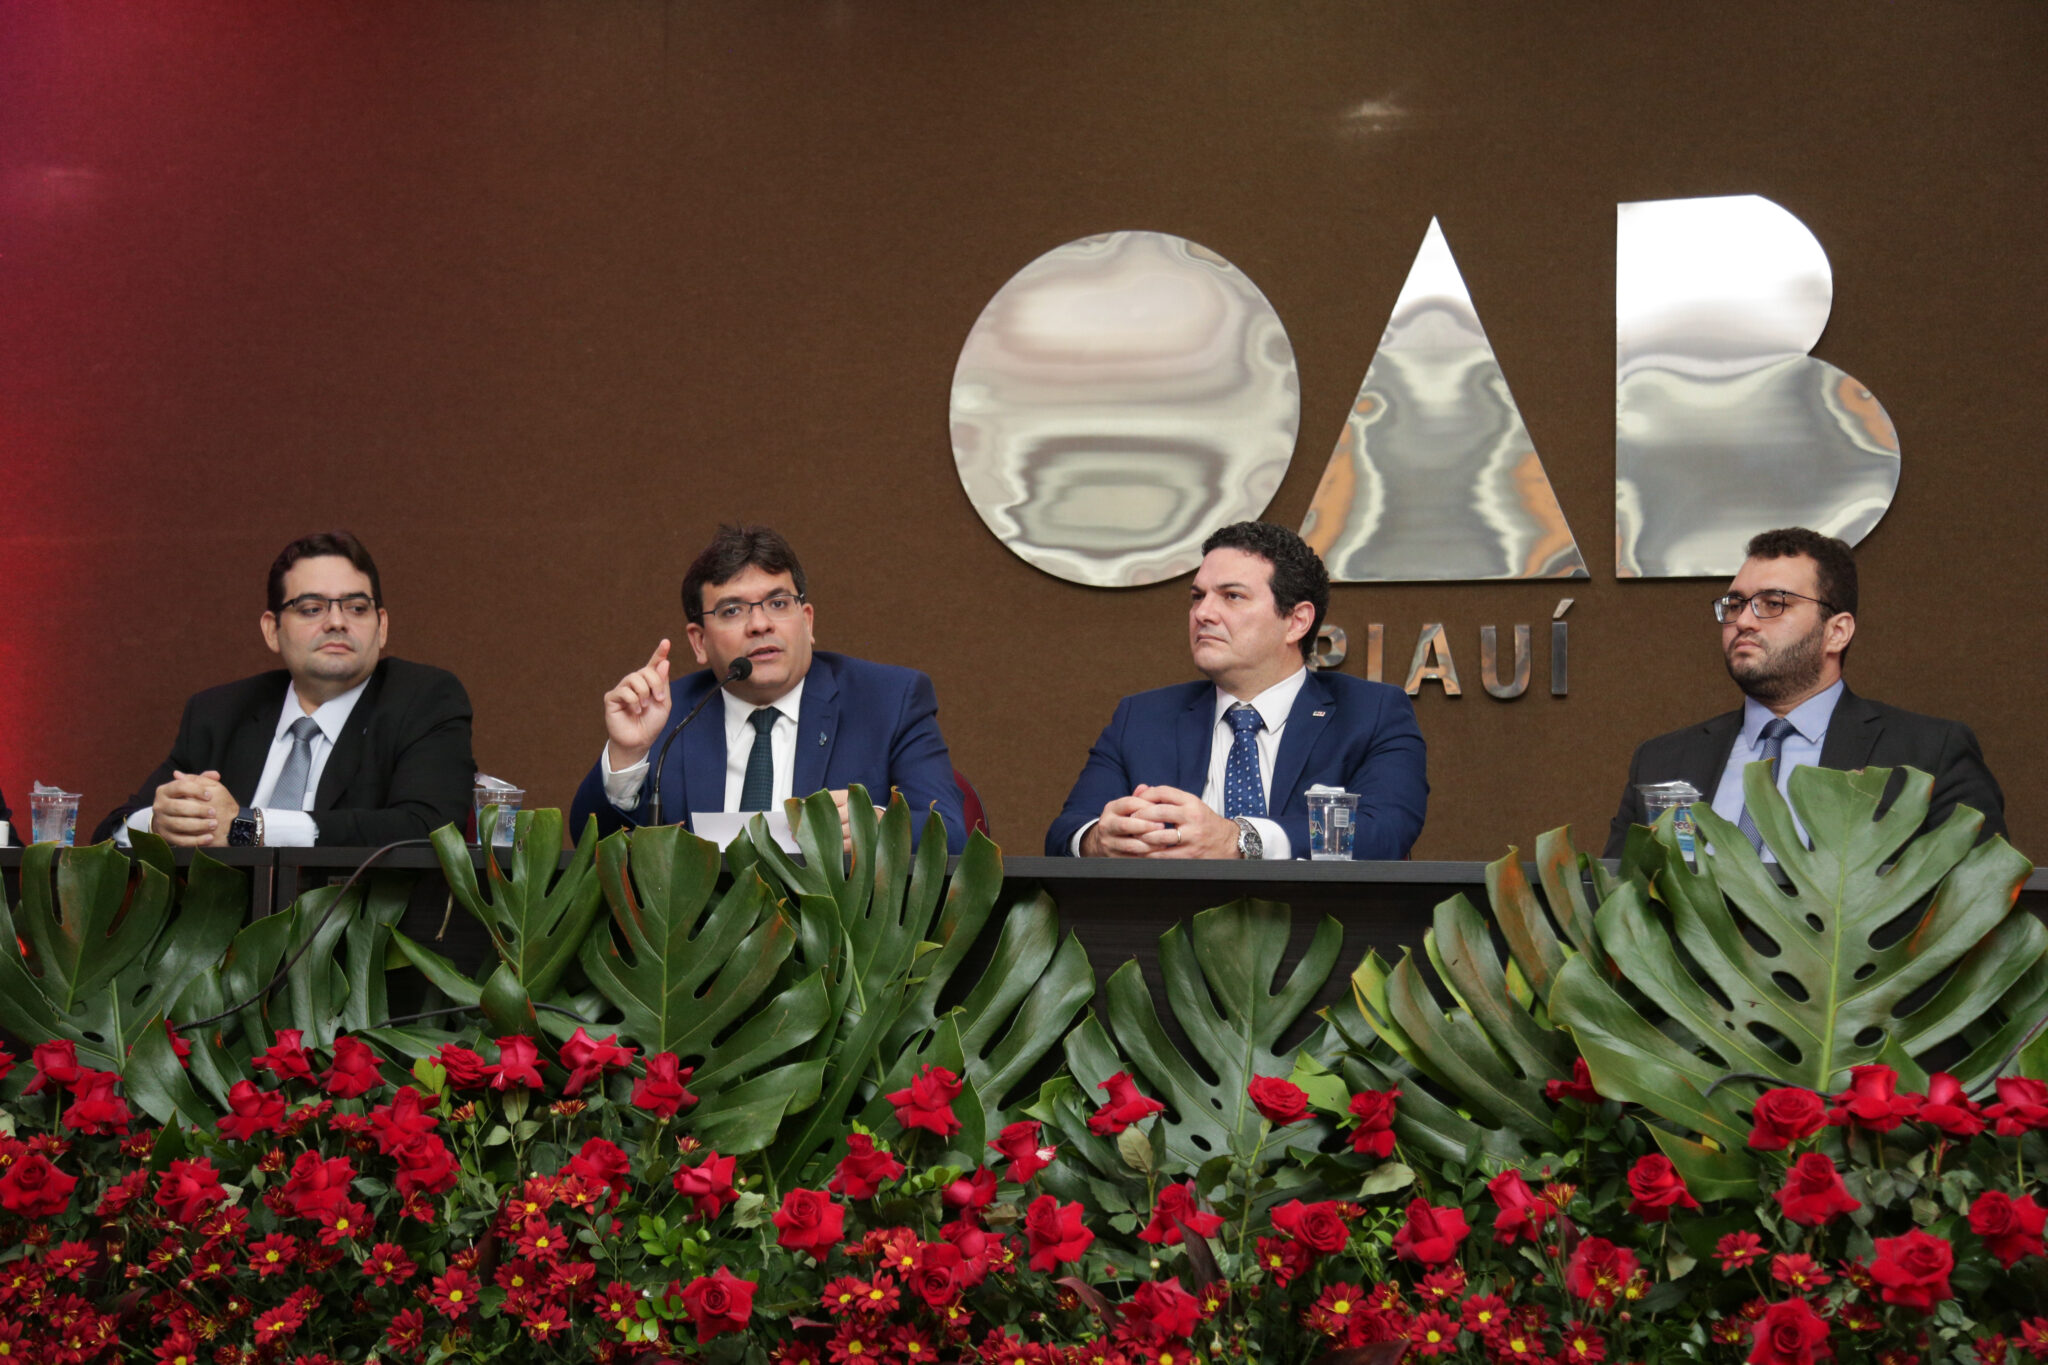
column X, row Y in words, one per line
column 1787, row 621
column 342, row 746
column 800, row 721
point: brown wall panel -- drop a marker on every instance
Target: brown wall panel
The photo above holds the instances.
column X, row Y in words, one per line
column 532, row 295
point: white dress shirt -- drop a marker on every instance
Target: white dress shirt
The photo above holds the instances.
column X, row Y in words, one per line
column 1273, row 704
column 622, row 786
column 292, row 828
column 1802, row 748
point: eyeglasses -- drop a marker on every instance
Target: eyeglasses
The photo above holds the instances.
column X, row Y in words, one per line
column 311, row 606
column 1769, row 603
column 779, row 606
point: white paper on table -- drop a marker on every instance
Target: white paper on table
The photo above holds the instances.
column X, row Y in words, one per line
column 721, row 827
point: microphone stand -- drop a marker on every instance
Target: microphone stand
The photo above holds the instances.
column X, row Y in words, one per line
column 740, row 668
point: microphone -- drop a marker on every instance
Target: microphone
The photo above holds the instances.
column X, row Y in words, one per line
column 738, row 669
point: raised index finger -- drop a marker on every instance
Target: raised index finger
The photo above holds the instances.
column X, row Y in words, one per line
column 660, row 653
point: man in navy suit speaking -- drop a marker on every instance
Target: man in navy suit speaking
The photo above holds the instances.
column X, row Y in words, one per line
column 796, row 723
column 1220, row 769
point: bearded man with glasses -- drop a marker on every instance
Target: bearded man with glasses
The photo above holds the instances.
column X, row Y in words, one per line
column 792, row 720
column 342, row 746
column 1787, row 621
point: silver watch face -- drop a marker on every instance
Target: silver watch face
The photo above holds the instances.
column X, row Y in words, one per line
column 1249, row 844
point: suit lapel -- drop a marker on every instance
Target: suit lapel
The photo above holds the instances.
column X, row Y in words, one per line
column 1853, row 732
column 1193, row 742
column 703, row 766
column 248, row 747
column 1707, row 754
column 817, row 732
column 349, row 749
column 1306, row 721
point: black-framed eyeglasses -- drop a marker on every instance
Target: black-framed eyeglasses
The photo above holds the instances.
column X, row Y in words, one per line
column 311, row 606
column 779, row 606
column 1769, row 603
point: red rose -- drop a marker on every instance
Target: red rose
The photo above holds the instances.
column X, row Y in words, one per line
column 318, row 1184
column 1813, row 1192
column 285, row 1058
column 402, row 1122
column 2022, row 1105
column 1872, row 1100
column 1124, row 1107
column 255, row 1111
column 1281, row 1102
column 1432, row 1233
column 1599, row 1270
column 179, row 1046
column 708, row 1183
column 602, row 1163
column 95, row 1108
column 1657, row 1188
column 1175, row 1211
column 466, row 1070
column 936, row 1278
column 1946, row 1107
column 927, row 1102
column 1056, row 1233
column 1161, row 1311
column 976, row 1191
column 188, row 1189
column 863, row 1169
column 56, row 1064
column 33, row 1188
column 661, row 1092
column 1579, row 1087
column 1374, row 1135
column 1914, row 1269
column 1024, row 1145
column 518, row 1064
column 1785, row 1116
column 589, row 1058
column 1319, row 1227
column 719, row 1302
column 1522, row 1214
column 2010, row 1227
column 809, row 1221
column 425, row 1166
column 1789, row 1333
column 354, row 1071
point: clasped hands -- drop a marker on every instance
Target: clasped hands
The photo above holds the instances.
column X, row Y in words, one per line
column 1160, row 822
column 192, row 810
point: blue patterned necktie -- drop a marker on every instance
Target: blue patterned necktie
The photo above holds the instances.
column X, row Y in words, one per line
column 1244, row 792
column 290, row 791
column 759, row 785
column 1773, row 749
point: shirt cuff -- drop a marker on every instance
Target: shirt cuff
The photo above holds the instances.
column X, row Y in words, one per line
column 1276, row 846
column 621, row 787
column 289, row 829
column 138, row 820
column 1074, row 845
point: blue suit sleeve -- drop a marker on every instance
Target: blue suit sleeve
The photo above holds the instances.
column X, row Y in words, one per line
column 591, row 800
column 922, row 769
column 1392, row 783
column 1104, row 778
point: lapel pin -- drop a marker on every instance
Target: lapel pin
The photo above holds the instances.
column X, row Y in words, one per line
column 821, row 737
column 1318, row 715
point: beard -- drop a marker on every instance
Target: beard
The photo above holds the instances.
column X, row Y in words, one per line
column 1785, row 671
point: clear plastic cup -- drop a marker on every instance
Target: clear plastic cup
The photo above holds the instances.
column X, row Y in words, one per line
column 1332, row 823
column 1659, row 797
column 53, row 815
column 496, row 802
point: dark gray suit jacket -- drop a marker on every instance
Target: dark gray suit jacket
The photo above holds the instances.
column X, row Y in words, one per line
column 1862, row 734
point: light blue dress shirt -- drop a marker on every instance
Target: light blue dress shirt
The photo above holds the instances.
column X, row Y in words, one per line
column 1809, row 732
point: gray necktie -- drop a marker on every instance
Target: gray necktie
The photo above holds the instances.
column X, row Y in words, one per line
column 1773, row 749
column 759, row 783
column 290, row 792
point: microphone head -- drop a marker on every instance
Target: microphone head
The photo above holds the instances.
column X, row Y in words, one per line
column 738, row 669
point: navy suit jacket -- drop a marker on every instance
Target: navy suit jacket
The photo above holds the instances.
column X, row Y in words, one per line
column 1861, row 734
column 1343, row 732
column 401, row 769
column 874, row 724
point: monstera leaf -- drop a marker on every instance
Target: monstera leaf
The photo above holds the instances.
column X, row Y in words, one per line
column 1798, row 983
column 696, row 977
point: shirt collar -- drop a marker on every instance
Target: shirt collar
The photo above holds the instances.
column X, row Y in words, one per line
column 330, row 715
column 789, row 704
column 1810, row 718
column 1273, row 704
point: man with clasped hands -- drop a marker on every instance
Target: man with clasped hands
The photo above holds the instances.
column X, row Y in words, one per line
column 800, row 721
column 342, row 746
column 1220, row 769
column 1787, row 620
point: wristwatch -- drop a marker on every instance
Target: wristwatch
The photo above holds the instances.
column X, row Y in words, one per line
column 246, row 829
column 1249, row 845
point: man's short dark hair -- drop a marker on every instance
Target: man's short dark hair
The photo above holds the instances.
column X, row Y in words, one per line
column 314, row 547
column 1835, row 563
column 1298, row 572
column 730, row 553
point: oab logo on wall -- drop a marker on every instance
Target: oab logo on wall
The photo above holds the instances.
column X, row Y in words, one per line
column 1123, row 395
